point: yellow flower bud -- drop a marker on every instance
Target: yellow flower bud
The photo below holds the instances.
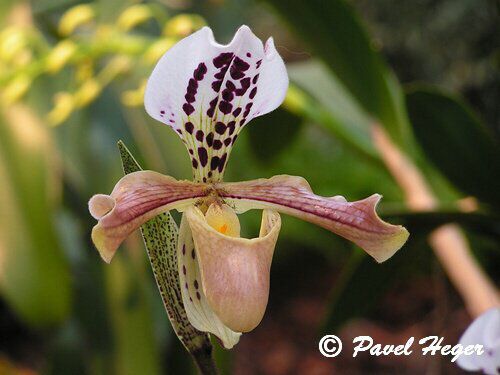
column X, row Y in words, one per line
column 16, row 89
column 295, row 100
column 84, row 71
column 12, row 41
column 87, row 93
column 134, row 98
column 117, row 65
column 133, row 16
column 60, row 55
column 64, row 104
column 77, row 16
column 157, row 49
column 183, row 25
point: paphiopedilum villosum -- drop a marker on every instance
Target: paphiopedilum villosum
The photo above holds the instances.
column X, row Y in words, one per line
column 207, row 92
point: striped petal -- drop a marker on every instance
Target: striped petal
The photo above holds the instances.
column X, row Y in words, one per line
column 207, row 92
column 198, row 311
column 355, row 221
column 235, row 271
column 136, row 198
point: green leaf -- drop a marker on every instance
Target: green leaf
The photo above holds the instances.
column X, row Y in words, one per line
column 270, row 135
column 425, row 222
column 363, row 282
column 456, row 142
column 336, row 35
column 34, row 274
column 160, row 237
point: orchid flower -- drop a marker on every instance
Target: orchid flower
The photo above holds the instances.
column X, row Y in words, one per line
column 485, row 331
column 207, row 93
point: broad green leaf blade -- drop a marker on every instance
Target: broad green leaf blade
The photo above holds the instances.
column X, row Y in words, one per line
column 34, row 274
column 160, row 237
column 363, row 282
column 425, row 222
column 326, row 101
column 270, row 135
column 336, row 35
column 456, row 142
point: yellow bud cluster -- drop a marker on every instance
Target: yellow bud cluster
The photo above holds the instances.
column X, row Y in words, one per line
column 15, row 89
column 12, row 42
column 64, row 104
column 134, row 98
column 60, row 55
column 157, row 49
column 183, row 25
column 134, row 16
column 74, row 18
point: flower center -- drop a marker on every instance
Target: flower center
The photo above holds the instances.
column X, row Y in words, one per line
column 223, row 219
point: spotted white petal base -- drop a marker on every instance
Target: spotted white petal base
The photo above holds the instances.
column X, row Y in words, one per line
column 484, row 330
column 207, row 92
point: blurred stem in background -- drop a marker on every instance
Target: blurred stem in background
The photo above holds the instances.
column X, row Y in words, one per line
column 448, row 242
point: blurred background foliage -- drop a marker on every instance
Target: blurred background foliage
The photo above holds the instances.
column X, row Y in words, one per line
column 72, row 77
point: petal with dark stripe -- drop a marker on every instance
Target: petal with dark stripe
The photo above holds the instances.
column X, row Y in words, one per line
column 355, row 221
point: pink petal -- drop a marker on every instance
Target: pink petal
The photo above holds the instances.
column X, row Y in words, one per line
column 235, row 271
column 355, row 221
column 136, row 198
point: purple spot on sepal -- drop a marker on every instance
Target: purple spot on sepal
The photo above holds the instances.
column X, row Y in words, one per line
column 220, row 127
column 216, row 85
column 230, row 85
column 222, row 162
column 236, row 112
column 184, row 269
column 227, row 141
column 234, row 139
column 240, row 64
column 255, row 79
column 195, row 284
column 249, row 54
column 204, row 179
column 192, row 87
column 227, row 95
column 257, row 64
column 214, row 163
column 194, row 162
column 189, row 98
column 223, row 59
column 200, row 135
column 217, row 144
column 189, row 127
column 220, row 74
column 242, row 122
column 188, row 108
column 245, row 84
column 210, row 139
column 211, row 109
column 179, row 131
column 198, row 295
column 235, row 73
column 191, row 151
column 199, row 72
column 193, row 255
column 225, row 107
column 232, row 126
column 203, row 156
column 252, row 93
column 162, row 112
